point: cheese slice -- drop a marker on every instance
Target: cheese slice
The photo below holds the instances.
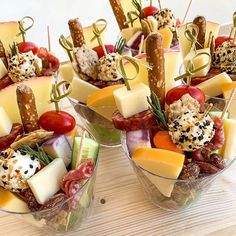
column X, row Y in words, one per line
column 67, row 72
column 227, row 90
column 8, row 32
column 173, row 61
column 167, row 37
column 103, row 102
column 3, row 70
column 162, row 164
column 81, row 89
column 45, row 183
column 10, row 202
column 88, row 35
column 131, row 102
column 199, row 61
column 213, row 87
column 127, row 33
column 41, row 87
column 213, row 28
column 5, row 123
column 229, row 148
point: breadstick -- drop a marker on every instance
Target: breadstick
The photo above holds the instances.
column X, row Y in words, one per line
column 155, row 57
column 76, row 32
column 119, row 13
column 27, row 108
column 200, row 21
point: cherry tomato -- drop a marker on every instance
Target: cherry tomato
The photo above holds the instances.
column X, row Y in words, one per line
column 100, row 52
column 27, row 46
column 176, row 93
column 220, row 39
column 58, row 121
column 150, row 11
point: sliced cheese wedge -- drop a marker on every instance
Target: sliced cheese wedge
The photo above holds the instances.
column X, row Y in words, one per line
column 67, row 72
column 103, row 102
column 163, row 164
column 213, row 87
column 10, row 202
column 3, row 69
column 41, row 87
column 5, row 123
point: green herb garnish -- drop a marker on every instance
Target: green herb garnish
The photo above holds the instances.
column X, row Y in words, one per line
column 120, row 44
column 39, row 153
column 14, row 49
column 156, row 109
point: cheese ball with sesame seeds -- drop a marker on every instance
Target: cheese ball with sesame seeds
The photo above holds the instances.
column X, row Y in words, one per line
column 107, row 68
column 22, row 67
column 191, row 130
column 15, row 168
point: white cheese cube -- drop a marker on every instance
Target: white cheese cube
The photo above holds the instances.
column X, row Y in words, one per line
column 199, row 61
column 46, row 182
column 3, row 69
column 58, row 147
column 5, row 123
column 67, row 72
column 213, row 87
column 81, row 89
column 131, row 102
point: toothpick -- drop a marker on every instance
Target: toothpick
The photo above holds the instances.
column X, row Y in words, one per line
column 231, row 32
column 80, row 148
column 228, row 103
column 159, row 3
column 49, row 40
column 186, row 13
column 141, row 45
column 234, row 38
column 209, row 40
column 209, row 107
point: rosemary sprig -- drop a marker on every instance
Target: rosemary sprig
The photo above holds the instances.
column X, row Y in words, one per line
column 14, row 49
column 138, row 6
column 120, row 44
column 156, row 109
column 39, row 153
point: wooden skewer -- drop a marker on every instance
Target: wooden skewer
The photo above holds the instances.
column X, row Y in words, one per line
column 49, row 39
column 159, row 3
column 209, row 107
column 186, row 13
column 234, row 38
column 141, row 45
column 228, row 103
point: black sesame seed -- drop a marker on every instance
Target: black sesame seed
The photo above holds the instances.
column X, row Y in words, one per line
column 26, row 172
column 31, row 166
column 5, row 167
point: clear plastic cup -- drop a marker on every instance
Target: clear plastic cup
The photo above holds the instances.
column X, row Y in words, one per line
column 66, row 215
column 184, row 192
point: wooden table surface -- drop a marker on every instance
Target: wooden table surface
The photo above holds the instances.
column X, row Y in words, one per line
column 127, row 212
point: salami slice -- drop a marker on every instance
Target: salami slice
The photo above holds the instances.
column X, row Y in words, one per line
column 5, row 81
column 142, row 120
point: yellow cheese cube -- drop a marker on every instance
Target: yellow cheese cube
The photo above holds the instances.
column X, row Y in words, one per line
column 163, row 164
column 229, row 148
column 167, row 37
column 41, row 87
column 227, row 90
column 45, row 183
column 129, row 32
column 131, row 102
column 213, row 28
column 213, row 87
column 81, row 89
column 103, row 102
column 5, row 123
column 8, row 32
column 10, row 202
column 67, row 72
column 199, row 61
column 3, row 69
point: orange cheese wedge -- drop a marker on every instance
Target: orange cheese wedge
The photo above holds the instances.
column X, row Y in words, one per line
column 103, row 102
column 165, row 166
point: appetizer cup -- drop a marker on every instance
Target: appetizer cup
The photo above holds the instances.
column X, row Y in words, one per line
column 101, row 128
column 184, row 193
column 176, row 194
column 63, row 215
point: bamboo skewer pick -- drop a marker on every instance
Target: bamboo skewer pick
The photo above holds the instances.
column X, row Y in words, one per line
column 228, row 103
column 49, row 39
column 159, row 3
column 209, row 107
column 186, row 13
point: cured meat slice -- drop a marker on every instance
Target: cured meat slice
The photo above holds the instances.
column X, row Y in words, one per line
column 142, row 120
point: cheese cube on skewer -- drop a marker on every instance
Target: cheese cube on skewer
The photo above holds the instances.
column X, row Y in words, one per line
column 3, row 69
column 5, row 123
